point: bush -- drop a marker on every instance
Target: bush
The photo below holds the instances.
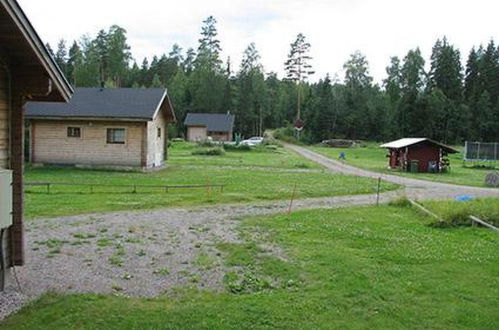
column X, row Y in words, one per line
column 217, row 151
column 288, row 134
column 240, row 147
column 206, row 143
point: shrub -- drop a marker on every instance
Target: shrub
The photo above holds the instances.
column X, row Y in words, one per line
column 217, row 151
column 240, row 147
column 206, row 143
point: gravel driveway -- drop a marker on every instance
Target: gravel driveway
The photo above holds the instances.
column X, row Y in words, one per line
column 142, row 253
column 147, row 253
column 418, row 189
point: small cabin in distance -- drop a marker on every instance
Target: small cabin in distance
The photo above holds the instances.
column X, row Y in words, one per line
column 218, row 126
column 418, row 155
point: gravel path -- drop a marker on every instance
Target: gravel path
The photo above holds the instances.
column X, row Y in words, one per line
column 418, row 189
column 148, row 253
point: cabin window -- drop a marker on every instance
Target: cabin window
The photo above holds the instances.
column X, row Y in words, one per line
column 159, row 132
column 116, row 135
column 74, row 132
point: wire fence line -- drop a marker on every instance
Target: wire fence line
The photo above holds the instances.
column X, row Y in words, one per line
column 134, row 187
column 481, row 151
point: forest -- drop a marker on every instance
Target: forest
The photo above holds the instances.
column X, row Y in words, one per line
column 456, row 100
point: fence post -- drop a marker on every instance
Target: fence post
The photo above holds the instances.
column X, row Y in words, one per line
column 292, row 198
column 377, row 191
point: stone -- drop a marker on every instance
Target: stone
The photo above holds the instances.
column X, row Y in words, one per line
column 492, row 179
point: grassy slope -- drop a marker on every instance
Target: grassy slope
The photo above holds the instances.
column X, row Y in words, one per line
column 373, row 267
column 269, row 180
column 374, row 158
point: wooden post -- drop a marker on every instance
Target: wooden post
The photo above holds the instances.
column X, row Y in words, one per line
column 425, row 210
column 377, row 191
column 292, row 199
column 483, row 223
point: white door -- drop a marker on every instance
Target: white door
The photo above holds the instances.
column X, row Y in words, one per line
column 158, row 147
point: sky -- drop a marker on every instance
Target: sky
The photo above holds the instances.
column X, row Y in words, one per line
column 335, row 28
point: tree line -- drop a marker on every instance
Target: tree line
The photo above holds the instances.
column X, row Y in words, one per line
column 449, row 103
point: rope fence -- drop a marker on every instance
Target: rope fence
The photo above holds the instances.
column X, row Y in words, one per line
column 133, row 187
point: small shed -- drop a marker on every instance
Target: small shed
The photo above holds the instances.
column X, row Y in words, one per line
column 418, row 155
column 218, row 126
column 102, row 127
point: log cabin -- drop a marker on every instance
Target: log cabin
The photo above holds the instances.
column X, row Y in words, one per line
column 418, row 155
column 102, row 128
column 27, row 73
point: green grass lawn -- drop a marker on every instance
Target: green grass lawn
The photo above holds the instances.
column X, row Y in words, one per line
column 359, row 268
column 374, row 158
column 180, row 153
column 248, row 176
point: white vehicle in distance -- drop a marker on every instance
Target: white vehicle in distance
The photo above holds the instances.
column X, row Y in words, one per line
column 256, row 140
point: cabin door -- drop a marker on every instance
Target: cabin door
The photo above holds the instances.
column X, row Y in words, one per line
column 159, row 148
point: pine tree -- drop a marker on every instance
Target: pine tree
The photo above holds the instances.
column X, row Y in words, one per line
column 74, row 63
column 101, row 48
column 446, row 75
column 190, row 57
column 61, row 56
column 298, row 67
column 176, row 54
column 119, row 55
column 209, row 49
column 358, row 83
column 410, row 112
column 322, row 121
column 156, row 82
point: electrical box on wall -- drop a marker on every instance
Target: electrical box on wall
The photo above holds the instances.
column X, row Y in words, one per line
column 5, row 198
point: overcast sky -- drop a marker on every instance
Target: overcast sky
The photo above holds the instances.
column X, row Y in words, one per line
column 335, row 28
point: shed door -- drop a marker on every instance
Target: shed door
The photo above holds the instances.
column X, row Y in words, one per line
column 4, row 122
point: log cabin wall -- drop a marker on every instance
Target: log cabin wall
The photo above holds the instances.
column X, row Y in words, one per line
column 51, row 144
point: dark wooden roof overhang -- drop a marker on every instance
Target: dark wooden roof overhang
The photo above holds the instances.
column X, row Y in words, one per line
column 37, row 75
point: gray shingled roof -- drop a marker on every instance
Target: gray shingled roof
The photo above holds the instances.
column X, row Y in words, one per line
column 215, row 122
column 127, row 103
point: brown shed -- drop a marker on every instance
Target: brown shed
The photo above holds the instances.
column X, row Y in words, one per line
column 27, row 72
column 418, row 154
column 102, row 127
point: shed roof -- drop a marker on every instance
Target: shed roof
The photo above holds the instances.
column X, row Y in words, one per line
column 106, row 103
column 406, row 142
column 215, row 122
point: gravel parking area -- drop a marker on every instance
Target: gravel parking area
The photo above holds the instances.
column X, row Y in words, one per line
column 143, row 253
